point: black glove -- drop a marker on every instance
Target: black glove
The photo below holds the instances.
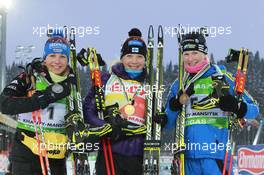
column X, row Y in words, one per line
column 117, row 122
column 37, row 65
column 54, row 92
column 91, row 134
column 174, row 102
column 111, row 111
column 161, row 118
column 121, row 128
column 79, row 133
column 230, row 104
column 73, row 123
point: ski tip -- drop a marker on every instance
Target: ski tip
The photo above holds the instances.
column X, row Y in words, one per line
column 204, row 31
column 160, row 32
column 65, row 28
column 72, row 34
column 151, row 32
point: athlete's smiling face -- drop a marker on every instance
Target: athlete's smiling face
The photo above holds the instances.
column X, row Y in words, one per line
column 133, row 61
column 193, row 58
column 57, row 63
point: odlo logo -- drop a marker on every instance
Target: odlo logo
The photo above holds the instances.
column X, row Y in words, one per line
column 251, row 161
column 53, row 152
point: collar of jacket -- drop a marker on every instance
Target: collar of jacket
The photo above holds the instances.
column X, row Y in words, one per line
column 47, row 76
column 212, row 70
column 119, row 70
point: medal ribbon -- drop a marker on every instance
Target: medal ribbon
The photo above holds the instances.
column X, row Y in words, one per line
column 125, row 93
column 194, row 78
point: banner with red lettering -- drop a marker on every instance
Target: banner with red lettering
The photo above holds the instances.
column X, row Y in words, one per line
column 250, row 160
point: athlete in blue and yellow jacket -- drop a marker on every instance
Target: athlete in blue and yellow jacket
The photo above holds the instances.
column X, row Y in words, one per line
column 211, row 100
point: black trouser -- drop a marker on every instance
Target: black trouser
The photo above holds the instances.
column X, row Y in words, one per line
column 124, row 165
column 33, row 168
column 24, row 162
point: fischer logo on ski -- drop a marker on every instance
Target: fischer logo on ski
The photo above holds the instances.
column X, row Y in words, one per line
column 153, row 104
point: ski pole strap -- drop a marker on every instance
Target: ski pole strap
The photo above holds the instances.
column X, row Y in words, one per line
column 90, row 58
column 134, row 130
column 242, row 57
column 241, row 71
column 73, row 118
column 91, row 135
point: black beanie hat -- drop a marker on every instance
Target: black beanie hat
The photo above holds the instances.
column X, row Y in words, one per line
column 194, row 41
column 134, row 44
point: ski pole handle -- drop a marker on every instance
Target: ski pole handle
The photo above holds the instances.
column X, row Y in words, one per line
column 241, row 71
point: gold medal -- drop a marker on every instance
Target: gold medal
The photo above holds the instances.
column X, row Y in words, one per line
column 184, row 98
column 129, row 109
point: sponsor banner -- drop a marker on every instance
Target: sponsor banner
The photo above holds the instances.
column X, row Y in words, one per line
column 250, row 160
